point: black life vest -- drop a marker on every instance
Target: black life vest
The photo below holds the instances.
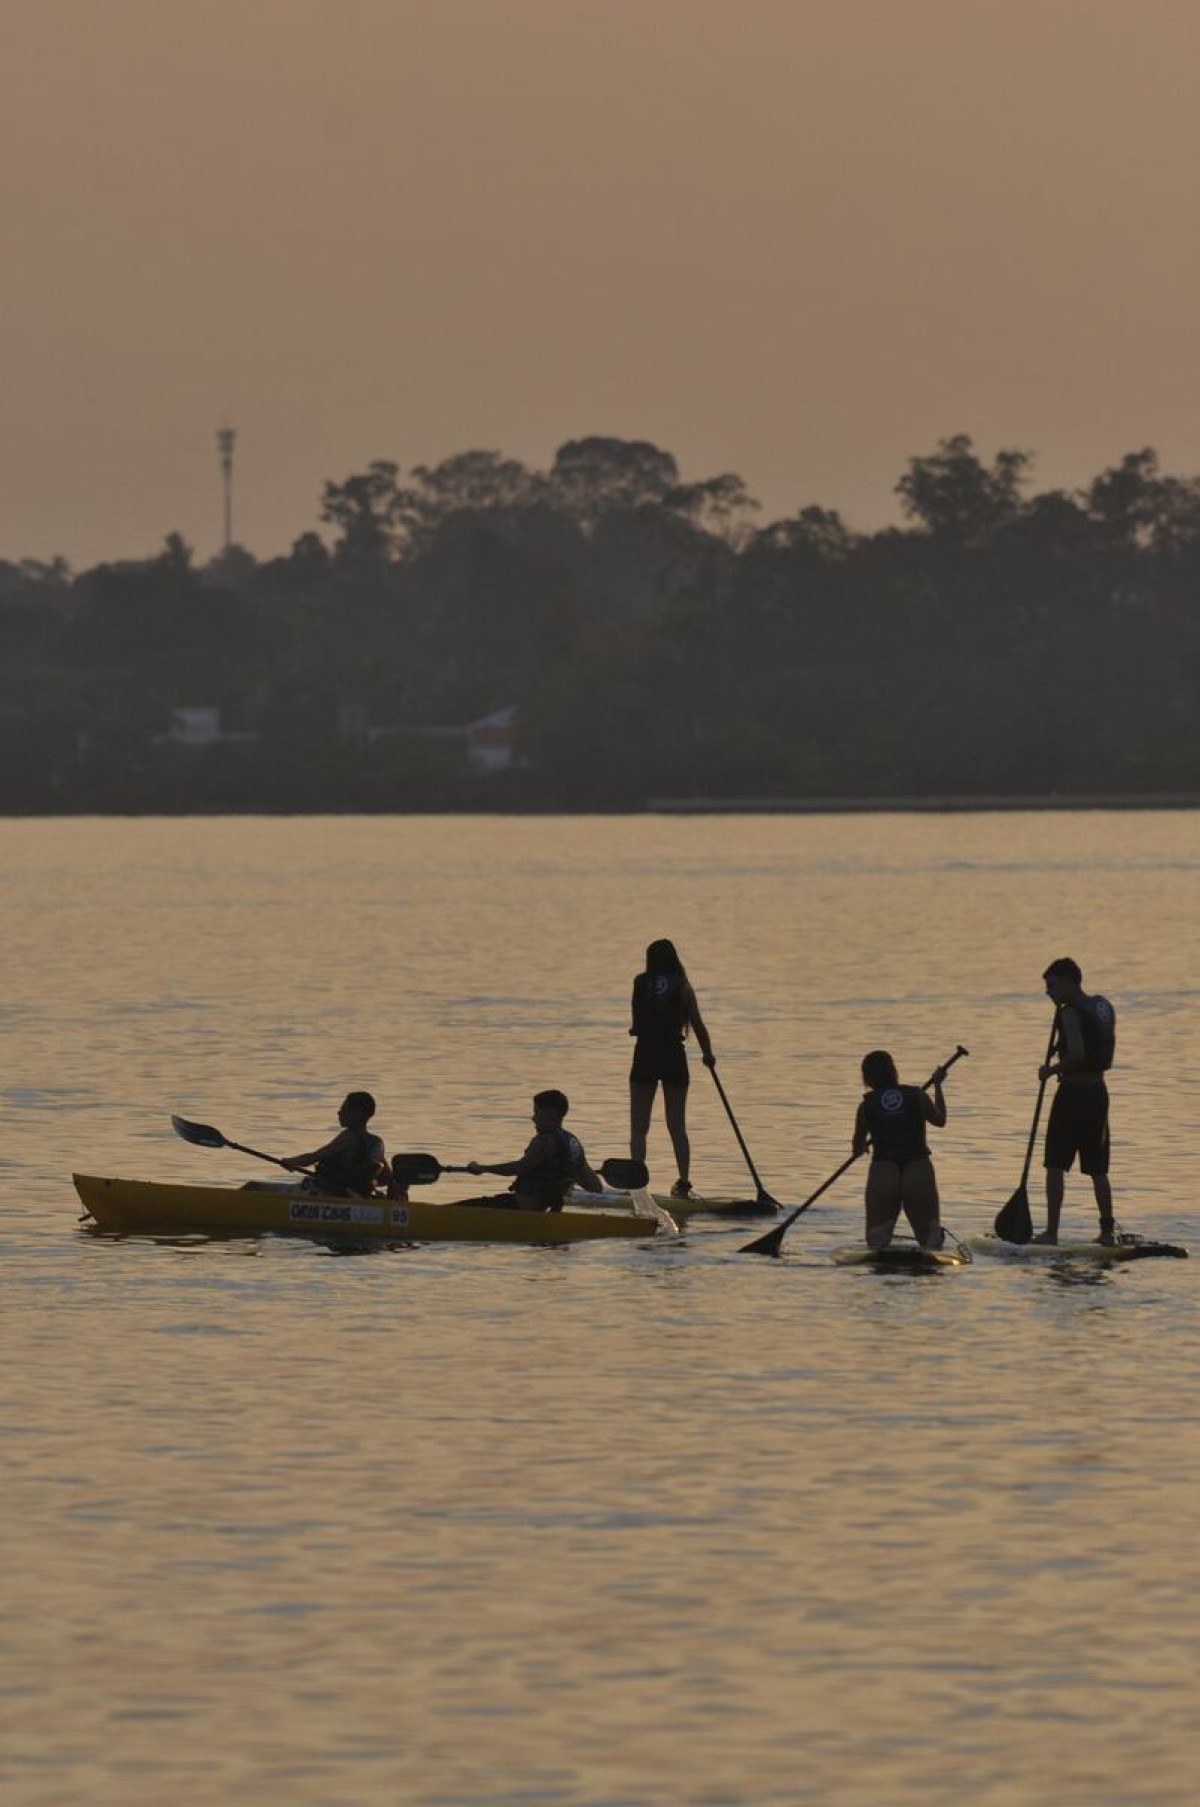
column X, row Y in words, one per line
column 660, row 1006
column 351, row 1175
column 894, row 1118
column 559, row 1166
column 1098, row 1022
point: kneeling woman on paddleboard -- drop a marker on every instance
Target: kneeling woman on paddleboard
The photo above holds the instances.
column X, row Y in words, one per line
column 892, row 1121
column 664, row 1009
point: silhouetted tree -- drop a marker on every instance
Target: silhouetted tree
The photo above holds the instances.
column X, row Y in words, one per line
column 953, row 494
column 364, row 511
column 591, row 477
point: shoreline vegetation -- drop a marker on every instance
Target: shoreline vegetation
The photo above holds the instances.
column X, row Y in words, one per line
column 604, row 637
column 701, row 806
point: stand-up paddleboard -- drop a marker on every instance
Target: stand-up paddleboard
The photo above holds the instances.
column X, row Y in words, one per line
column 909, row 1257
column 1126, row 1248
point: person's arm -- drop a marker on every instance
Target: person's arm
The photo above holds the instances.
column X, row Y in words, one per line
column 935, row 1107
column 860, row 1141
column 587, row 1177
column 633, row 1010
column 331, row 1151
column 698, row 1029
column 1072, row 1055
column 510, row 1169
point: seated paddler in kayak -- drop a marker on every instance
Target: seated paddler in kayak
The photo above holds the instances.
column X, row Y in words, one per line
column 349, row 1165
column 892, row 1121
column 553, row 1162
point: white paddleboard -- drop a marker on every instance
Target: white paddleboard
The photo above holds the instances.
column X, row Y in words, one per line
column 908, row 1256
column 1074, row 1249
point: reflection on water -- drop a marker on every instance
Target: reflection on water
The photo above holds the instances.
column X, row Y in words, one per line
column 609, row 1524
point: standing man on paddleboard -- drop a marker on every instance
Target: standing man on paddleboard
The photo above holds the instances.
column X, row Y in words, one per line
column 1087, row 1037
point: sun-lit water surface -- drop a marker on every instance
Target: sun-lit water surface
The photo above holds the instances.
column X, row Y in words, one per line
column 605, row 1525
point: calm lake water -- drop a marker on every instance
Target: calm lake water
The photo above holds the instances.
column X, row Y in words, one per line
column 615, row 1525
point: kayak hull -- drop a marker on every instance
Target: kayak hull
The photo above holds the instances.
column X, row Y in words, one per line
column 141, row 1207
column 1072, row 1250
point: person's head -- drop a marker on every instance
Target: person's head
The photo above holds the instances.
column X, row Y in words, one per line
column 661, row 958
column 356, row 1108
column 879, row 1070
column 1063, row 980
column 549, row 1108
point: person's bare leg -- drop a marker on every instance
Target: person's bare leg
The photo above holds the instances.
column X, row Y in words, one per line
column 921, row 1204
column 883, row 1202
column 675, row 1106
column 641, row 1104
column 1104, row 1202
column 1056, row 1184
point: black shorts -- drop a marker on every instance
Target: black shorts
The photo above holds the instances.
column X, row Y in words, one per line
column 659, row 1063
column 1078, row 1126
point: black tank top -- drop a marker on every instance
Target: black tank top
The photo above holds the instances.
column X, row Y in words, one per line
column 894, row 1118
column 659, row 1007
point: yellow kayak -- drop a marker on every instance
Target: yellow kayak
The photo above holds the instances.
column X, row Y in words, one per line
column 128, row 1207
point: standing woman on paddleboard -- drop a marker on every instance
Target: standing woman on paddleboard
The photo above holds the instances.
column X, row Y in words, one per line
column 664, row 1009
column 892, row 1121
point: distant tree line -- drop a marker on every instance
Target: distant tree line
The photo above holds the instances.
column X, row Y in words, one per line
column 655, row 638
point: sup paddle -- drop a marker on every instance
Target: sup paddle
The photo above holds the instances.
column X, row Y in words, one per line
column 1014, row 1222
column 763, row 1201
column 424, row 1169
column 205, row 1136
column 772, row 1242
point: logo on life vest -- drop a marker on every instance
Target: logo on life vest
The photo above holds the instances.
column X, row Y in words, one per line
column 892, row 1099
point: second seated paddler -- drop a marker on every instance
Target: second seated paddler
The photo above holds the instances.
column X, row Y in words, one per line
column 349, row 1165
column 553, row 1162
column 892, row 1121
column 664, row 1009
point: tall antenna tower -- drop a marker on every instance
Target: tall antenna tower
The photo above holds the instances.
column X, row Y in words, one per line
column 226, row 439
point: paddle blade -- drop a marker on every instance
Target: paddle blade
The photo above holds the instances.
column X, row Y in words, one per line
column 624, row 1176
column 1014, row 1223
column 416, row 1169
column 762, row 1206
column 770, row 1244
column 202, row 1134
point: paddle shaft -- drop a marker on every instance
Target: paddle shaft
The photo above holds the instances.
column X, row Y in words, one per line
column 273, row 1158
column 771, row 1242
column 628, row 1175
column 762, row 1191
column 1037, row 1114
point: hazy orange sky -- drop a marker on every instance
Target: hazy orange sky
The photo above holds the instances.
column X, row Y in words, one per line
column 792, row 239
